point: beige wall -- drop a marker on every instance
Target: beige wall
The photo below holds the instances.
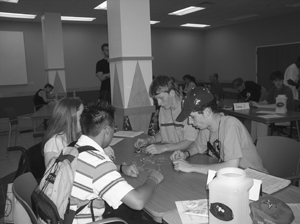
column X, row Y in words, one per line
column 230, row 51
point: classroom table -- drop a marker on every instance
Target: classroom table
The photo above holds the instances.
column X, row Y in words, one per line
column 290, row 194
column 176, row 186
column 44, row 112
column 254, row 114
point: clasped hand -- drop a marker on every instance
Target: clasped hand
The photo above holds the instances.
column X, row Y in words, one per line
column 152, row 148
column 179, row 163
column 130, row 170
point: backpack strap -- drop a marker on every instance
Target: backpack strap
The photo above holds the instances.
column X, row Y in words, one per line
column 85, row 148
column 72, row 144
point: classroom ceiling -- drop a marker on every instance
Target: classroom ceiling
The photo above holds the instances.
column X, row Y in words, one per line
column 217, row 13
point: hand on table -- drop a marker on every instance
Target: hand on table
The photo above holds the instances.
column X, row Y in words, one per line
column 130, row 170
column 182, row 165
column 253, row 104
column 155, row 149
column 156, row 176
column 110, row 152
column 140, row 143
column 178, row 155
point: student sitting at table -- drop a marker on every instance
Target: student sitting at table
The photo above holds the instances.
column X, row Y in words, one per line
column 64, row 128
column 220, row 136
column 260, row 129
column 98, row 177
column 41, row 96
column 173, row 134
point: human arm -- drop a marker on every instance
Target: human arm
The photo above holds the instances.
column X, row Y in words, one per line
column 160, row 148
column 130, row 170
column 53, row 147
column 262, row 104
column 138, row 197
column 184, row 166
column 43, row 94
column 140, row 143
column 102, row 76
column 263, row 92
column 293, row 83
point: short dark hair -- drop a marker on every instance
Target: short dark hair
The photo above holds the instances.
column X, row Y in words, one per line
column 161, row 84
column 103, row 46
column 190, row 77
column 212, row 105
column 237, row 82
column 216, row 76
column 48, row 85
column 95, row 117
column 277, row 75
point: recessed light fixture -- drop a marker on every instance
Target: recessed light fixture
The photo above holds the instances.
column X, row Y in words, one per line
column 17, row 15
column 10, row 1
column 197, row 25
column 154, row 22
column 73, row 18
column 185, row 11
column 102, row 6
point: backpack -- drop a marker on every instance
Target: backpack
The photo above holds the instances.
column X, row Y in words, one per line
column 50, row 200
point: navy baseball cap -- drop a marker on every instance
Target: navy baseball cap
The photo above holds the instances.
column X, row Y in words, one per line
column 197, row 97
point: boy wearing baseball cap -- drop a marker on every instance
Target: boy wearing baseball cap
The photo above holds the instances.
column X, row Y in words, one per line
column 220, row 136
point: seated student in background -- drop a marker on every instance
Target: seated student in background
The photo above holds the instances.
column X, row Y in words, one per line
column 220, row 136
column 249, row 90
column 41, row 96
column 64, row 127
column 215, row 87
column 190, row 82
column 175, row 135
column 98, row 177
column 260, row 129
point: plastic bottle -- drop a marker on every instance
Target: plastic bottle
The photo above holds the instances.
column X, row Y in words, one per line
column 281, row 104
column 229, row 197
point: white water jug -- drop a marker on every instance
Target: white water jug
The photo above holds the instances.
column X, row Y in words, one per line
column 281, row 104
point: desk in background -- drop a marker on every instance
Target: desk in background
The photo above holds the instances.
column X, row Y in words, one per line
column 176, row 186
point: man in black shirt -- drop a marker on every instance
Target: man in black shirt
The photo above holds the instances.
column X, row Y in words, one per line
column 102, row 73
column 249, row 90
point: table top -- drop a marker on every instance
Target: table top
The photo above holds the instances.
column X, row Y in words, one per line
column 290, row 194
column 44, row 112
column 176, row 186
column 255, row 114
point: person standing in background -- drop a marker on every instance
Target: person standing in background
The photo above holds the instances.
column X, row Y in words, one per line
column 103, row 74
column 216, row 88
column 190, row 83
column 291, row 78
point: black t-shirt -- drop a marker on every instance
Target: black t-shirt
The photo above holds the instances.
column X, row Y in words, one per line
column 103, row 66
column 251, row 91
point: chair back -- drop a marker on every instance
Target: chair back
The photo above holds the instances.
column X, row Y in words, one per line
column 12, row 115
column 280, row 155
column 22, row 188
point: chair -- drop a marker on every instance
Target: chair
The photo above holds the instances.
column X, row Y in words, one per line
column 22, row 188
column 13, row 122
column 293, row 124
column 280, row 156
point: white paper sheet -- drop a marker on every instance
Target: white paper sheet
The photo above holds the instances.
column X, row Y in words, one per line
column 128, row 134
column 270, row 116
column 189, row 219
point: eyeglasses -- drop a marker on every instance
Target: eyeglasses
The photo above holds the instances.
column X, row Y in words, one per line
column 214, row 149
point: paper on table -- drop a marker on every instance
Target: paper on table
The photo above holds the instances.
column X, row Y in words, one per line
column 270, row 184
column 270, row 116
column 189, row 219
column 115, row 141
column 296, row 210
column 128, row 134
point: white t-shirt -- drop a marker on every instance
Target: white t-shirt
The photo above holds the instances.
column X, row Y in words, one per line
column 292, row 72
column 56, row 144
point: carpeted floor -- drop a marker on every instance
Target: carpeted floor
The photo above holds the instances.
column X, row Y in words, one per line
column 3, row 188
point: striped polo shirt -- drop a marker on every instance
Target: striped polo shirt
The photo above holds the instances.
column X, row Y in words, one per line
column 96, row 177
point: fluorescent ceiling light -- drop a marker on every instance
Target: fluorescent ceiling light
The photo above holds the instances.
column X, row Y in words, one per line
column 195, row 25
column 185, row 11
column 73, row 18
column 242, row 17
column 10, row 1
column 102, row 6
column 17, row 15
column 154, row 22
